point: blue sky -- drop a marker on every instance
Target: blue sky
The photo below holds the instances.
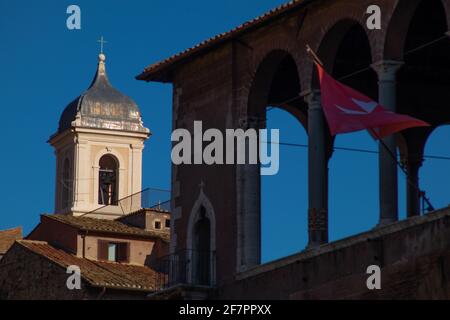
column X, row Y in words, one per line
column 44, row 66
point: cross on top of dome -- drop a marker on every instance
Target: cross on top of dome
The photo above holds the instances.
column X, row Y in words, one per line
column 102, row 106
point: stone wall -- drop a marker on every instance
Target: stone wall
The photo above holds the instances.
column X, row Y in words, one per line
column 414, row 257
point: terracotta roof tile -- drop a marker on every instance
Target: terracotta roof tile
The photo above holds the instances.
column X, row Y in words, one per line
column 7, row 238
column 154, row 72
column 98, row 273
column 107, row 226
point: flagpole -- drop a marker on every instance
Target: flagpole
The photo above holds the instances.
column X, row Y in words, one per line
column 314, row 55
column 415, row 185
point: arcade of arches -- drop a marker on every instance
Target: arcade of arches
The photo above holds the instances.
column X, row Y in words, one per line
column 405, row 66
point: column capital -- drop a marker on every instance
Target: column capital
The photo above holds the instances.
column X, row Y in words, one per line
column 138, row 147
column 387, row 69
column 313, row 99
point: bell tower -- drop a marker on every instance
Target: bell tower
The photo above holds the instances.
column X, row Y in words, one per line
column 98, row 149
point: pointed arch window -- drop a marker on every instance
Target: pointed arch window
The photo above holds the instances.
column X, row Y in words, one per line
column 201, row 255
column 108, row 180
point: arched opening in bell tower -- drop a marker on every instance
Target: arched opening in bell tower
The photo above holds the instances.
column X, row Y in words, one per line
column 108, row 180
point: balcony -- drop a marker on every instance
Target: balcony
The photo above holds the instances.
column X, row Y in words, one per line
column 186, row 271
column 148, row 198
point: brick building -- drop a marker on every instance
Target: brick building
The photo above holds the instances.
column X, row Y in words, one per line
column 230, row 80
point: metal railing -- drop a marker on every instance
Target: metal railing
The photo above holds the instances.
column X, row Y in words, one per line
column 186, row 267
column 149, row 198
column 163, row 206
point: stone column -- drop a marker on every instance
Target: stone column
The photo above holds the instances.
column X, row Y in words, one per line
column 249, row 206
column 317, row 173
column 387, row 96
column 413, row 164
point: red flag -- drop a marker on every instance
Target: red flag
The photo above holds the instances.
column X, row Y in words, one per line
column 347, row 110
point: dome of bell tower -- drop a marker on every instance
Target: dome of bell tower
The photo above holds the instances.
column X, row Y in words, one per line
column 102, row 106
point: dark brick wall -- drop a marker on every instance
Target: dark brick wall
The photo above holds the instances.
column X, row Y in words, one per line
column 206, row 96
column 414, row 256
column 419, row 278
column 25, row 275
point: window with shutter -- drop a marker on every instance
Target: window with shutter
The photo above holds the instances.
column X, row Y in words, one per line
column 102, row 250
column 123, row 252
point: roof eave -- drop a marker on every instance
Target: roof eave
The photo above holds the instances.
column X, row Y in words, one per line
column 107, row 232
column 162, row 71
column 123, row 234
column 124, row 288
column 164, row 77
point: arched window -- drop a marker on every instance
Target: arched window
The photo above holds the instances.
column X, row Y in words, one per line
column 108, row 181
column 201, row 255
column 66, row 184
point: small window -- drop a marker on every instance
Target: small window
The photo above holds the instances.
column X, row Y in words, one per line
column 167, row 223
column 113, row 251
column 157, row 224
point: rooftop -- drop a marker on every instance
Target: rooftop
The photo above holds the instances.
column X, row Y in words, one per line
column 7, row 238
column 107, row 226
column 97, row 273
column 160, row 71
